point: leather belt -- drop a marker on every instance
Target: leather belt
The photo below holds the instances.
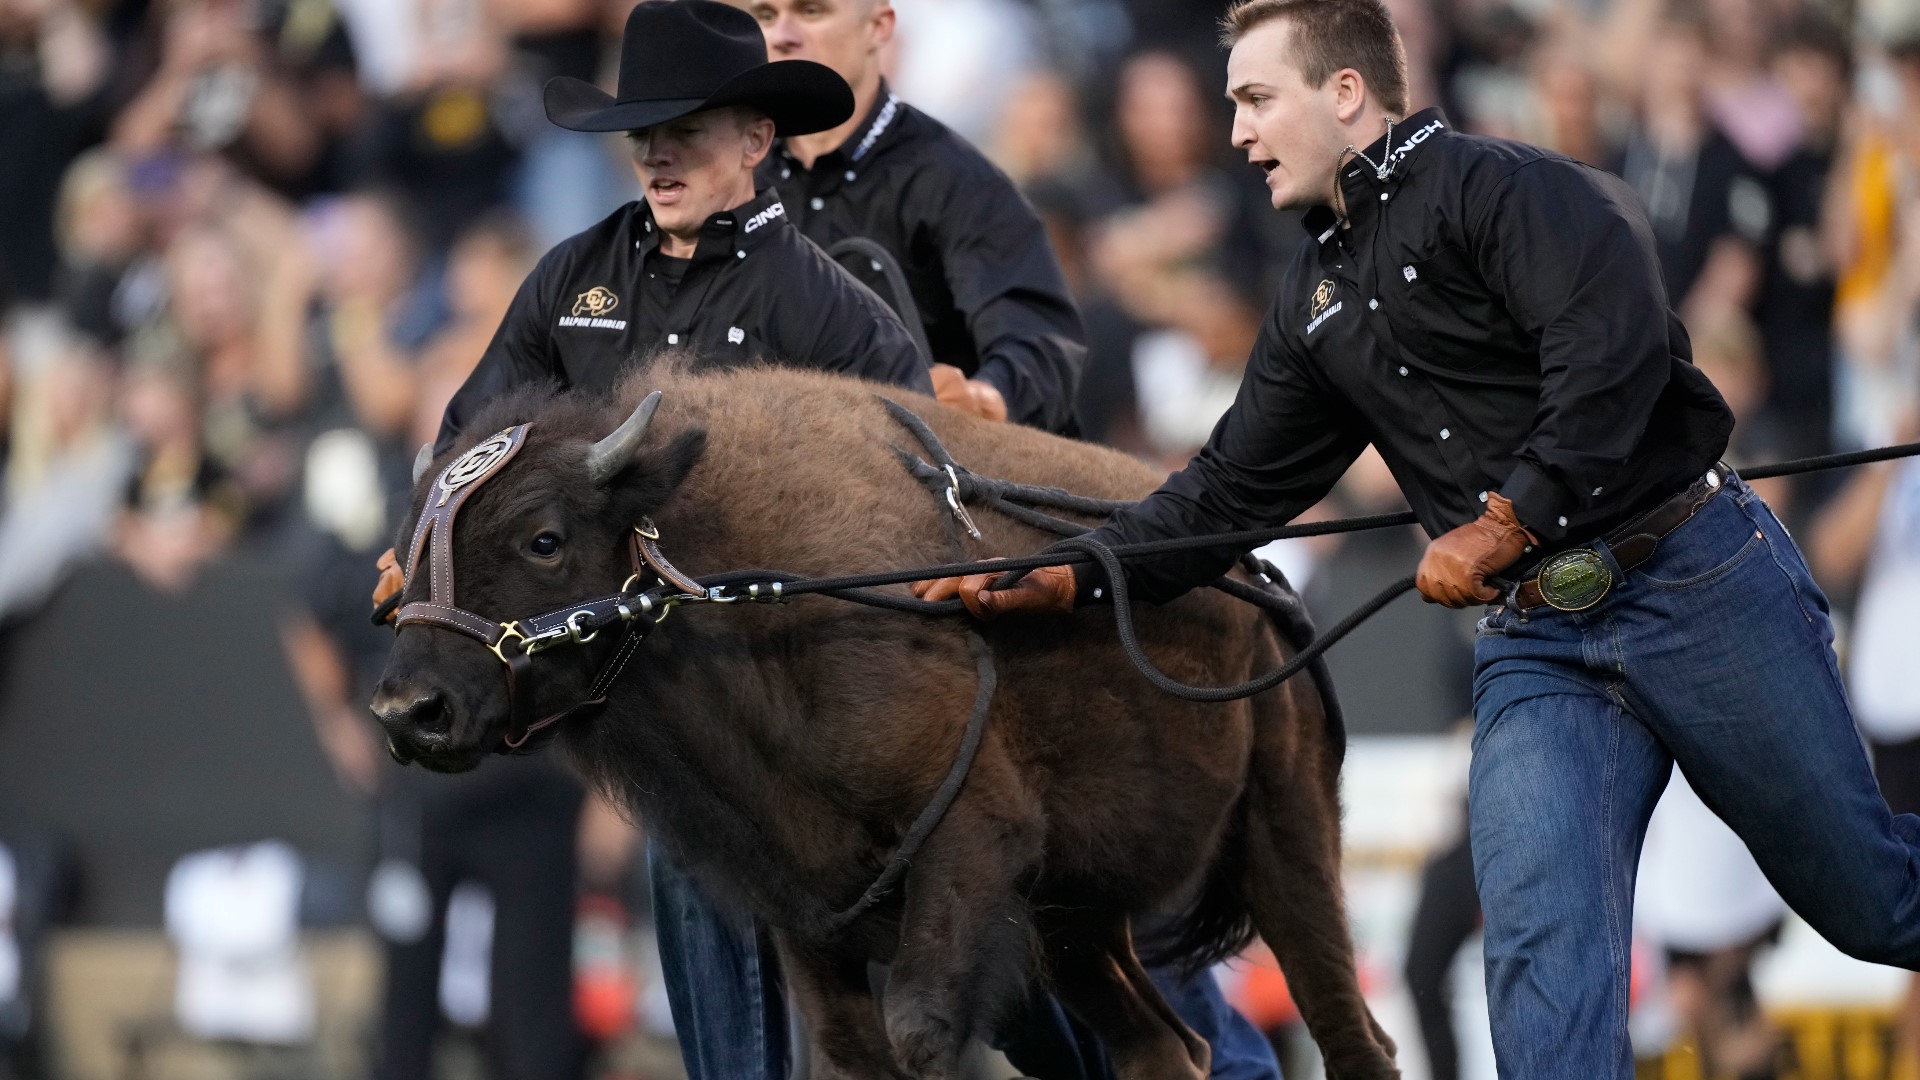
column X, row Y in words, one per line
column 1578, row 578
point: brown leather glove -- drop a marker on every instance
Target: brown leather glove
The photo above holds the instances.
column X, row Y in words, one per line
column 1048, row 589
column 1454, row 570
column 977, row 396
column 391, row 579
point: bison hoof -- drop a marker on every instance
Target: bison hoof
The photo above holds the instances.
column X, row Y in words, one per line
column 927, row 1046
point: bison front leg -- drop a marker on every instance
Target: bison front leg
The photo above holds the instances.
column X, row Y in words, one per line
column 1292, row 884
column 831, row 991
column 966, row 936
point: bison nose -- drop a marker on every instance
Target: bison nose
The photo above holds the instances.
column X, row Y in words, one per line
column 415, row 718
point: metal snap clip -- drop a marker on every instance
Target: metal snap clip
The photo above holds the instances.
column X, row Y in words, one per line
column 959, row 511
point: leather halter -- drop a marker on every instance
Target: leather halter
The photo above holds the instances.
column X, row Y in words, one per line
column 515, row 642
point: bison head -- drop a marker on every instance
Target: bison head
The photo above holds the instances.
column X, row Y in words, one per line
column 549, row 528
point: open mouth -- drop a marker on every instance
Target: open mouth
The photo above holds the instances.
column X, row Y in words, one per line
column 1266, row 165
column 665, row 191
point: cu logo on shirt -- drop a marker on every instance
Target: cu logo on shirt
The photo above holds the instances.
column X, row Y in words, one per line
column 596, row 302
column 1322, row 296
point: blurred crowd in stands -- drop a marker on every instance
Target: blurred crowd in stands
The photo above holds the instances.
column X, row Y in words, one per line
column 249, row 248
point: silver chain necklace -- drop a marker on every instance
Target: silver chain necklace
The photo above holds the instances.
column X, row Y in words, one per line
column 1384, row 167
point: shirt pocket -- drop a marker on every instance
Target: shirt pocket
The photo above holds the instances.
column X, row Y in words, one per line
column 728, row 345
column 1442, row 309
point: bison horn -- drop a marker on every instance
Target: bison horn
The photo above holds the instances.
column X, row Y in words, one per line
column 615, row 452
column 422, row 460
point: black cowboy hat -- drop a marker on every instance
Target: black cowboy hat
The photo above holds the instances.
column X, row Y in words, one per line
column 682, row 56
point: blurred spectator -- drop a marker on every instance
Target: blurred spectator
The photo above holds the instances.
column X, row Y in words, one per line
column 1040, row 136
column 1188, row 373
column 567, row 180
column 1709, row 211
column 1106, row 403
column 1727, row 348
column 1795, row 309
column 1569, row 118
column 180, row 507
column 53, row 67
column 444, row 140
column 484, row 271
column 379, row 307
column 1478, row 65
column 959, row 60
column 1182, row 248
column 236, row 303
column 1877, row 238
column 1446, row 915
column 100, row 233
column 275, row 95
column 1745, row 98
column 66, row 470
column 1170, row 202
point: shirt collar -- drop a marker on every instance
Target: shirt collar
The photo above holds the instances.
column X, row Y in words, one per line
column 1360, row 181
column 879, row 120
column 727, row 233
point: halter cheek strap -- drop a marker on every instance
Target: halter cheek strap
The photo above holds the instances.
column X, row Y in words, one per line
column 433, row 539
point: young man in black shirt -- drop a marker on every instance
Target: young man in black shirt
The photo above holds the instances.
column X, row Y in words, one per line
column 1491, row 317
column 1006, row 339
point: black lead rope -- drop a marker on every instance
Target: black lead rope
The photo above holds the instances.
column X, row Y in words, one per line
column 934, row 811
column 859, row 588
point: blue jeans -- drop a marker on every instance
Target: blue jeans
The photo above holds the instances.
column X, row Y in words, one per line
column 1716, row 654
column 732, row 1024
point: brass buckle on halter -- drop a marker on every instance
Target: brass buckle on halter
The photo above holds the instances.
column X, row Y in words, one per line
column 508, row 630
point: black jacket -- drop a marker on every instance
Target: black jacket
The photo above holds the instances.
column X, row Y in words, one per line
column 756, row 290
column 1492, row 319
column 976, row 258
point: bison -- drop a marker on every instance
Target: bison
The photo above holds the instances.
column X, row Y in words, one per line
column 781, row 751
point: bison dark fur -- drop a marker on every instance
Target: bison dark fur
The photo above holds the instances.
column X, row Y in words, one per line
column 780, row 751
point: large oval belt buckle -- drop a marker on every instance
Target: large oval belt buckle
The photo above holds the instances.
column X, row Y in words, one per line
column 1575, row 580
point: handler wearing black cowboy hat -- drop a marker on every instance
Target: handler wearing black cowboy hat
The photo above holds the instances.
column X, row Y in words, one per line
column 703, row 262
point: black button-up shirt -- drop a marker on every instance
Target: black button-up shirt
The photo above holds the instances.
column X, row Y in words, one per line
column 755, row 290
column 1491, row 317
column 976, row 258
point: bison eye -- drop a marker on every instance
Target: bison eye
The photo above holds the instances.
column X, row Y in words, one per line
column 546, row 545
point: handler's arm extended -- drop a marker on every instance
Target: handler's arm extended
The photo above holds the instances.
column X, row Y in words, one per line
column 997, row 259
column 1277, row 451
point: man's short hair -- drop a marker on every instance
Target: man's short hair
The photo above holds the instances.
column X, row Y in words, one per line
column 1329, row 35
